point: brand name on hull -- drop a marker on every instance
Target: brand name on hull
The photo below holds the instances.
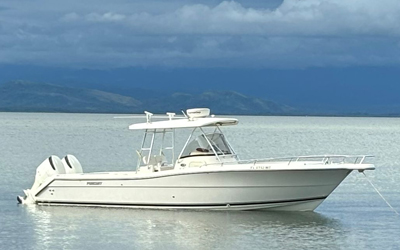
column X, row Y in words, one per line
column 94, row 183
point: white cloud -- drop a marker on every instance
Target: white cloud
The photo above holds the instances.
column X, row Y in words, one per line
column 106, row 17
column 70, row 17
column 298, row 33
column 293, row 17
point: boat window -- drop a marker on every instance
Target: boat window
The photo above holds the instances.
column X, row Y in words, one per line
column 200, row 145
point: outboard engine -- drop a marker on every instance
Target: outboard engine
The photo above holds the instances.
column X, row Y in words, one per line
column 49, row 167
column 71, row 165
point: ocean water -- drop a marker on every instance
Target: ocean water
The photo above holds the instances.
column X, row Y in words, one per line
column 353, row 217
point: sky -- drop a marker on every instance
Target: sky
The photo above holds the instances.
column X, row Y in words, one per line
column 176, row 34
column 332, row 55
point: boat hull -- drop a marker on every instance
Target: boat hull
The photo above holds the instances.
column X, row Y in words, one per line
column 289, row 190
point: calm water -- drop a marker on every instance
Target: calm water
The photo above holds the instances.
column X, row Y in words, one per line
column 353, row 217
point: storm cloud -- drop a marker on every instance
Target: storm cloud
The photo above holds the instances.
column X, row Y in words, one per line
column 288, row 34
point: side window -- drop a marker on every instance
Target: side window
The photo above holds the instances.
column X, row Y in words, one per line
column 219, row 143
column 202, row 145
column 198, row 144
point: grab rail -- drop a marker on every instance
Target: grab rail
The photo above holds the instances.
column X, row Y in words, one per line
column 326, row 159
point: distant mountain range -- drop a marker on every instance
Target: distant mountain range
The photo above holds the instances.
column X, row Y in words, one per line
column 43, row 97
column 332, row 91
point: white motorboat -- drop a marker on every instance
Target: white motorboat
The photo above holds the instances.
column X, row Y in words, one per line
column 206, row 174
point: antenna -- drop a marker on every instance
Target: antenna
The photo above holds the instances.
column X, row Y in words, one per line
column 183, row 112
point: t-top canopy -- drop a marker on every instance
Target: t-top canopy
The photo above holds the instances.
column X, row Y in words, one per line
column 185, row 123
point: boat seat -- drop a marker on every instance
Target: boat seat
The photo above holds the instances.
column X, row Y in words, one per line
column 156, row 161
column 200, row 151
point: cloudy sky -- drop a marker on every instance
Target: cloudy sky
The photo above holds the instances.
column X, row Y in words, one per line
column 266, row 34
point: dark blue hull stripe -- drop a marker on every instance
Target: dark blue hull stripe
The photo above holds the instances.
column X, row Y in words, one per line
column 180, row 205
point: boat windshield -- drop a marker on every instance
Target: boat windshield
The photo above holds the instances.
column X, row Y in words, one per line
column 204, row 144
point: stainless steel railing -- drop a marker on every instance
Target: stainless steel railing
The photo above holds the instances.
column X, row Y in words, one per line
column 325, row 159
column 308, row 159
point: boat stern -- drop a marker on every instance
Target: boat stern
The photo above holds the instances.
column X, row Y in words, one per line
column 29, row 198
column 46, row 171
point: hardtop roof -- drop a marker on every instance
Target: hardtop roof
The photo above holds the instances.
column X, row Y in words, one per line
column 185, row 123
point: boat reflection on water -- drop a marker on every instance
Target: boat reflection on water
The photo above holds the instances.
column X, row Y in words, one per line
column 179, row 229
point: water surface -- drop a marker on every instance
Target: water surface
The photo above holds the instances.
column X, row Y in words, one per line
column 353, row 217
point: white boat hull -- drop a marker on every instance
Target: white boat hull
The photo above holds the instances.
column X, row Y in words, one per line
column 206, row 174
column 290, row 190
